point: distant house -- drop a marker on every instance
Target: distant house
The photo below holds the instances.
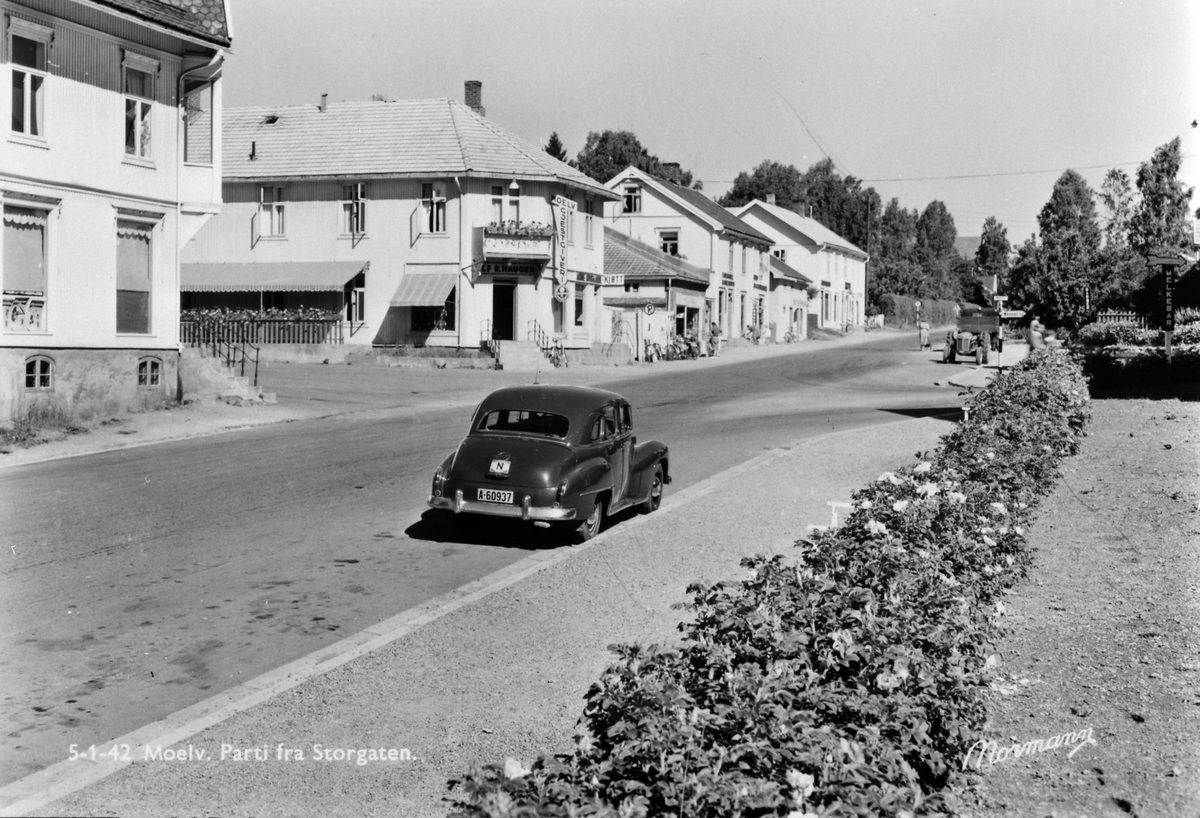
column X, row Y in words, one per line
column 419, row 222
column 660, row 295
column 686, row 223
column 111, row 162
column 836, row 268
column 787, row 304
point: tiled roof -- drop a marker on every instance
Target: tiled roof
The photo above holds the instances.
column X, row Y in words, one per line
column 205, row 19
column 635, row 260
column 413, row 137
column 781, row 270
column 811, row 228
column 708, row 207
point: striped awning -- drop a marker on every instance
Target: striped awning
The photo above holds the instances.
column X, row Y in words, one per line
column 273, row 276
column 427, row 288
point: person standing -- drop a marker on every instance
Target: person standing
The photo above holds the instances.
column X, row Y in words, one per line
column 923, row 335
column 714, row 341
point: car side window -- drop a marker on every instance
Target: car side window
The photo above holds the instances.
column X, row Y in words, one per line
column 626, row 418
column 598, row 429
column 610, row 420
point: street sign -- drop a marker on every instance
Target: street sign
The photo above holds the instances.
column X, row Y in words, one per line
column 562, row 292
column 563, row 201
column 648, row 309
column 1012, row 314
column 999, row 299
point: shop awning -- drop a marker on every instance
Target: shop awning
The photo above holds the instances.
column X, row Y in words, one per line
column 427, row 288
column 272, row 276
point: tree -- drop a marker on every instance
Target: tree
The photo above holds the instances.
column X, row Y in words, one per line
column 1159, row 223
column 841, row 204
column 936, row 231
column 897, row 231
column 1071, row 211
column 606, row 154
column 768, row 177
column 895, row 275
column 1116, row 194
column 555, row 148
column 991, row 259
column 1069, row 278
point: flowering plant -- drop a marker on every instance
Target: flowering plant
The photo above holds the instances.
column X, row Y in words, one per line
column 270, row 314
column 511, row 228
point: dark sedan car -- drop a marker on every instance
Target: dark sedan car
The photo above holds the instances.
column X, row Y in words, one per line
column 561, row 456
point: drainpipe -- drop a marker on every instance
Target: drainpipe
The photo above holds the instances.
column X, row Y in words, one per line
column 216, row 60
column 459, row 295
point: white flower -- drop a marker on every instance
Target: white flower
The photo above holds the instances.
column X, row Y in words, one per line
column 865, row 504
column 991, row 455
column 876, row 527
column 985, row 530
column 928, row 489
column 988, row 541
column 956, row 497
column 1000, row 508
column 801, row 782
column 921, row 468
column 900, row 505
column 514, row 768
column 1020, row 531
column 889, row 477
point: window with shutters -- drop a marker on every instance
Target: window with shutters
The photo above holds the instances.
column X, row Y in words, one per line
column 269, row 219
column 134, row 270
column 433, row 206
column 354, row 209
column 24, row 272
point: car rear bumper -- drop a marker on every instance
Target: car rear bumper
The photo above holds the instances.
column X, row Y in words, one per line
column 525, row 511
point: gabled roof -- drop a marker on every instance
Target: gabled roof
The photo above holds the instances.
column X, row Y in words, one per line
column 781, row 270
column 205, row 19
column 408, row 138
column 698, row 203
column 810, row 228
column 635, row 260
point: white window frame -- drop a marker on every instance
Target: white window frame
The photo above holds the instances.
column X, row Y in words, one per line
column 151, row 225
column 498, row 204
column 39, row 372
column 41, row 303
column 663, row 233
column 589, row 222
column 579, row 302
column 433, row 207
column 276, row 208
column 353, row 210
column 143, row 106
column 152, row 377
column 632, row 201
column 780, row 254
column 514, row 205
column 43, row 35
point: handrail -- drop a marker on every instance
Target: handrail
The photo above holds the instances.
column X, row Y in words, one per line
column 489, row 337
column 540, row 337
column 233, row 354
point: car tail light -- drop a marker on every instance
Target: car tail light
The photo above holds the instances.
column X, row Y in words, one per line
column 562, row 489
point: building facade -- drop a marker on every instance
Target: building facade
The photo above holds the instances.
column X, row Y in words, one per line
column 420, row 222
column 111, row 162
column 686, row 223
column 836, row 268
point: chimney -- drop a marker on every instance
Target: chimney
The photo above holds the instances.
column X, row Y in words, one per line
column 770, row 198
column 324, row 103
column 474, row 96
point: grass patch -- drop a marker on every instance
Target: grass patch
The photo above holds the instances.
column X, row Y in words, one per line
column 31, row 426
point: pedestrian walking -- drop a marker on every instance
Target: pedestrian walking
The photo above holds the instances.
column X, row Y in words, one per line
column 1034, row 335
column 714, row 341
column 923, row 334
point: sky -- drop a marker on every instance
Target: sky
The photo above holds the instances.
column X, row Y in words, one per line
column 1005, row 95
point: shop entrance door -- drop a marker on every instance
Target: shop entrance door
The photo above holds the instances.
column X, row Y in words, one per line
column 504, row 308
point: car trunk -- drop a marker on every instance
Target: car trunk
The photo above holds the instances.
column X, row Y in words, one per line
column 534, row 463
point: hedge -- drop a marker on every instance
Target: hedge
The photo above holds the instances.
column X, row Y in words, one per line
column 849, row 679
column 901, row 311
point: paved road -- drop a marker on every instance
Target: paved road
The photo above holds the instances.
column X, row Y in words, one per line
column 145, row 580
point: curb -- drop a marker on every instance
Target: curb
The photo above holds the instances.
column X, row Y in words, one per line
column 66, row 777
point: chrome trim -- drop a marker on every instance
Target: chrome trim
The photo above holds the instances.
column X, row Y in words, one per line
column 525, row 511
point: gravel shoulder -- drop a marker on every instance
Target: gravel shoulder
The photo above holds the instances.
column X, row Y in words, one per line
column 1104, row 635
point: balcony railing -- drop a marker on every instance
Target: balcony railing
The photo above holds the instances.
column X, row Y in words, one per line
column 517, row 241
column 260, row 331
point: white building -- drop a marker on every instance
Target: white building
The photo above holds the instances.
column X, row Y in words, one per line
column 111, row 163
column 836, row 268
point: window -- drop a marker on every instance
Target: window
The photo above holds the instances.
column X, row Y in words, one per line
column 354, row 209
column 270, row 211
column 514, row 204
column 198, row 125
column 524, row 421
column 149, row 372
column 39, row 373
column 24, row 269
column 28, row 43
column 138, row 87
column 435, row 319
column 133, row 276
column 497, row 204
column 631, row 286
column 780, row 254
column 743, row 259
column 558, row 309
column 580, row 289
column 633, row 199
column 730, row 258
column 668, row 242
column 433, row 205
column 589, row 220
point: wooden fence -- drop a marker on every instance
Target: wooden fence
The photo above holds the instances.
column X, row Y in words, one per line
column 1122, row 317
column 261, row 331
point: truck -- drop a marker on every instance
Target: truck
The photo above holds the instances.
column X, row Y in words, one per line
column 976, row 334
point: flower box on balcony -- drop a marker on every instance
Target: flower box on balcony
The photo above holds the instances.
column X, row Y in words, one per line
column 509, row 240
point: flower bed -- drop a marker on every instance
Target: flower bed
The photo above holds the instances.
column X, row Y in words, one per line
column 848, row 680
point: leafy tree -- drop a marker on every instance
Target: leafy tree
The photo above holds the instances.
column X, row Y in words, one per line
column 1026, row 276
column 768, row 177
column 1116, row 194
column 1159, row 223
column 936, row 231
column 895, row 275
column 966, row 282
column 991, row 258
column 606, row 154
column 1071, row 211
column 555, row 148
column 840, row 203
column 898, row 231
column 1069, row 281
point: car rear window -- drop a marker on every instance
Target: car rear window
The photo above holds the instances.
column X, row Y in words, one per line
column 525, row 422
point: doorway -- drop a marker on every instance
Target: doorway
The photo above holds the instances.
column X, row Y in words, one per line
column 504, row 308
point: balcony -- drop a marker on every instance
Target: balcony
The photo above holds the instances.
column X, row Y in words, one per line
column 517, row 242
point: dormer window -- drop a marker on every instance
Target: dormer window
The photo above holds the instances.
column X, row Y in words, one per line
column 633, row 199
column 138, row 74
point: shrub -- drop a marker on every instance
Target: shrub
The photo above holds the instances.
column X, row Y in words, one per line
column 1126, row 365
column 849, row 680
column 901, row 311
column 37, row 417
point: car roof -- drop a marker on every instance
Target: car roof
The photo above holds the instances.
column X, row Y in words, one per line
column 571, row 401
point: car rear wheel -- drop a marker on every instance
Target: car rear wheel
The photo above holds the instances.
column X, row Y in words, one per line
column 656, row 490
column 591, row 526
